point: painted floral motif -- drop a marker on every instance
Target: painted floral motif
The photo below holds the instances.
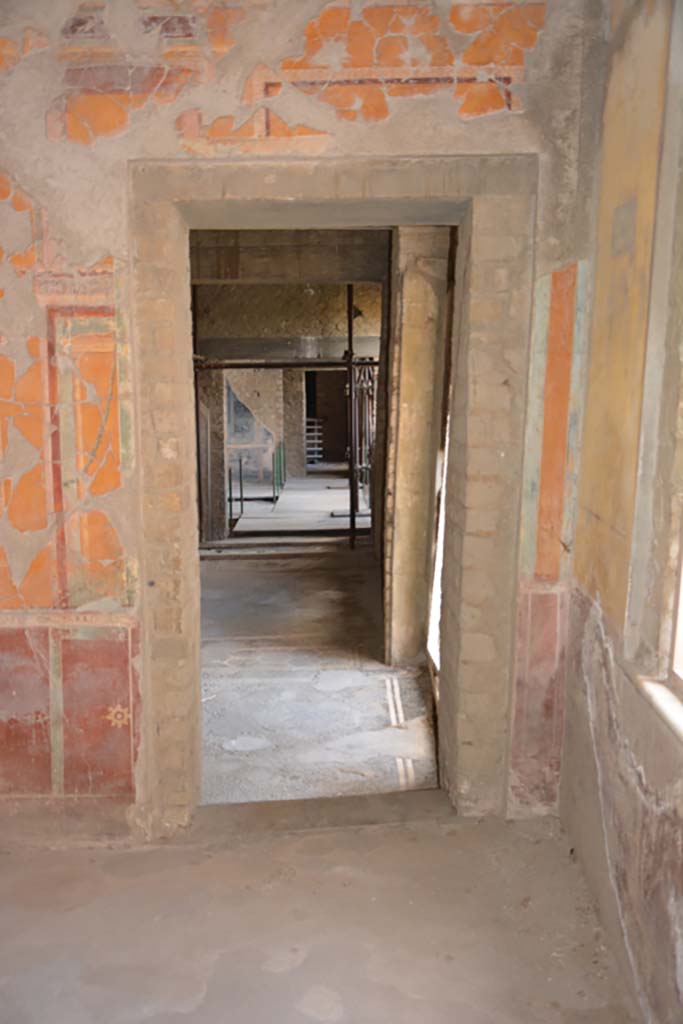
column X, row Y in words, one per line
column 118, row 716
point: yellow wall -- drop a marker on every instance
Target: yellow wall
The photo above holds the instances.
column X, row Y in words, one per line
column 628, row 184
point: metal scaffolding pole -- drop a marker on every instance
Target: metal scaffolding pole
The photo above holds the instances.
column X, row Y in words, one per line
column 351, row 418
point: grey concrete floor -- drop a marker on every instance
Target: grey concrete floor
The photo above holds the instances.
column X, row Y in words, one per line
column 316, row 503
column 434, row 920
column 296, row 702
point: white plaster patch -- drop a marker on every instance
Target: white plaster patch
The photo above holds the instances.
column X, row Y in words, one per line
column 321, row 1003
column 245, row 744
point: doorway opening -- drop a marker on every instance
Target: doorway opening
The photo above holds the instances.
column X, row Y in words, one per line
column 292, row 354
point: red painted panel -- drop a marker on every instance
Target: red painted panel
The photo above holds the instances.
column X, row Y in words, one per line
column 539, row 699
column 24, row 711
column 97, row 713
column 136, row 697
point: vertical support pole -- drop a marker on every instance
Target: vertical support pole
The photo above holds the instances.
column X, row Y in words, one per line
column 230, row 517
column 274, row 475
column 200, row 510
column 241, row 488
column 351, row 419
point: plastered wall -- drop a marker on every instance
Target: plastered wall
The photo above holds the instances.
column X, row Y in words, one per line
column 89, row 94
column 621, row 797
column 631, row 140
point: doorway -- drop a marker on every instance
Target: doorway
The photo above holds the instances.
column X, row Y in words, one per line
column 291, row 345
column 493, row 202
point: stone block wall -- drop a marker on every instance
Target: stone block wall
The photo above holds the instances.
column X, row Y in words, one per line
column 483, row 494
column 294, row 403
column 416, row 350
column 210, row 385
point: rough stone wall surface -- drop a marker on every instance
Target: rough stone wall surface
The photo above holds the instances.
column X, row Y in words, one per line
column 285, row 311
column 483, row 494
column 306, row 256
column 622, row 803
column 418, row 339
column 261, row 392
column 294, row 412
column 211, row 393
column 91, row 435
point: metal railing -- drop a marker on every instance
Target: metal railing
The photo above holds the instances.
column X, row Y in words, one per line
column 232, row 518
column 314, row 440
column 279, row 469
column 235, row 488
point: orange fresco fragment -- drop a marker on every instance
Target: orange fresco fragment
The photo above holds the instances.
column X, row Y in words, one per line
column 24, row 261
column 360, row 46
column 27, row 508
column 98, row 368
column 9, row 408
column 479, row 98
column 507, row 36
column 219, row 23
column 379, row 18
column 470, row 18
column 221, row 130
column 99, row 540
column 29, row 387
column 332, row 24
column 96, row 114
column 387, row 39
column 9, row 54
column 279, row 129
column 392, row 51
column 20, row 201
column 76, row 129
column 103, row 88
column 9, row 596
column 555, row 423
column 107, row 478
column 262, row 126
column 5, row 186
column 37, row 588
column 6, row 376
column 89, row 429
column 30, row 425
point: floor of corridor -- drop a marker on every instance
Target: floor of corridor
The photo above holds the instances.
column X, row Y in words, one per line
column 318, row 502
column 296, row 703
column 433, row 920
